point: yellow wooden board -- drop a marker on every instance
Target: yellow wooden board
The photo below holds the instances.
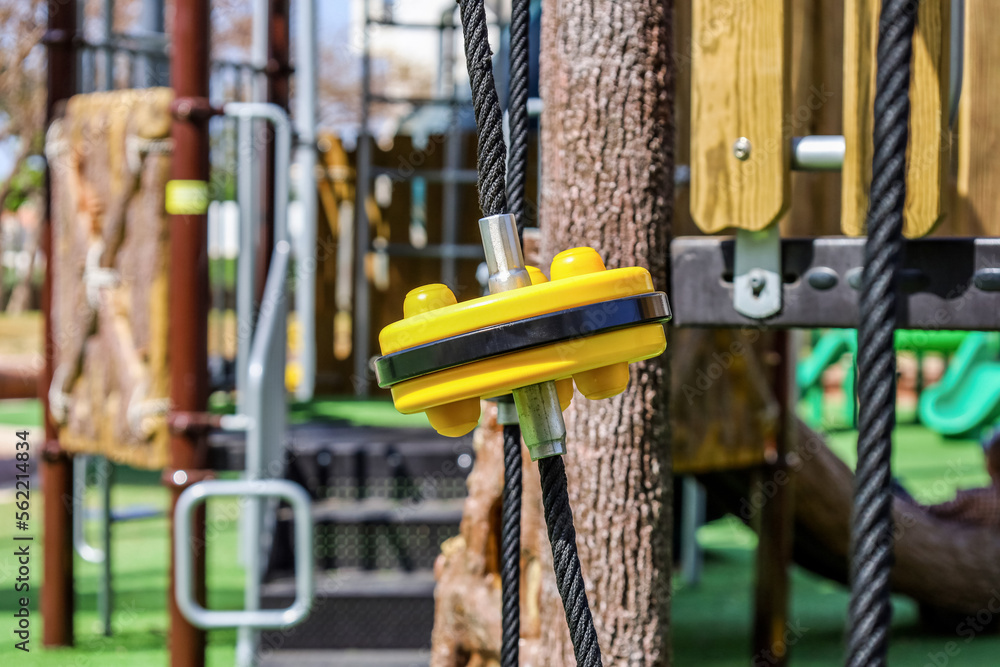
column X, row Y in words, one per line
column 740, row 88
column 929, row 145
column 979, row 124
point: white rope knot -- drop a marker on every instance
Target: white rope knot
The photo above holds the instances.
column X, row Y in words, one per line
column 59, row 401
column 136, row 147
column 141, row 411
column 96, row 277
column 55, row 145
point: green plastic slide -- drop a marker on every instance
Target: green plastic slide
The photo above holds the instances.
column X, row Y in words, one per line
column 835, row 343
column 968, row 396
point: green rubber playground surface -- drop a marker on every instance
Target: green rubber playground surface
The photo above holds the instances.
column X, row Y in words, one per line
column 711, row 621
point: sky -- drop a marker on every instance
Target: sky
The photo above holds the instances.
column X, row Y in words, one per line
column 8, row 149
column 335, row 15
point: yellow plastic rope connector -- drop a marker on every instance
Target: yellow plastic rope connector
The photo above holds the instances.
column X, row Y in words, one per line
column 597, row 364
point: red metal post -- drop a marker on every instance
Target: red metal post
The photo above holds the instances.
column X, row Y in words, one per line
column 56, row 466
column 189, row 296
column 278, row 74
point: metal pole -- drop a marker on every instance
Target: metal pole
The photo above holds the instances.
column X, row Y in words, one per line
column 57, row 600
column 108, row 21
column 692, row 518
column 818, row 153
column 305, row 157
column 266, row 413
column 258, row 93
column 188, row 300
column 105, row 594
column 152, row 68
column 277, row 86
column 775, row 520
column 360, row 315
column 87, row 552
column 245, row 311
column 453, row 159
column 105, row 604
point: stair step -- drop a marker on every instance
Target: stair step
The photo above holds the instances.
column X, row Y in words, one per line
column 337, row 452
column 404, row 542
column 357, row 609
column 352, row 583
column 347, row 658
column 383, row 511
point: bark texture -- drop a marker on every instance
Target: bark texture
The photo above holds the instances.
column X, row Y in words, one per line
column 607, row 166
column 625, row 512
column 607, row 183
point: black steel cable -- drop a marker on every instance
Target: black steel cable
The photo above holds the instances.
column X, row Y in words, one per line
column 566, row 561
column 517, row 110
column 871, row 536
column 517, row 167
column 510, row 547
column 491, row 154
column 491, row 159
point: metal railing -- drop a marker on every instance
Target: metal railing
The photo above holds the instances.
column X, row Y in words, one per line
column 246, row 113
column 253, row 491
column 262, row 409
column 91, row 554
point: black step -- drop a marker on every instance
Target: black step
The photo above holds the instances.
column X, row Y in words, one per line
column 349, row 461
column 347, row 658
column 357, row 609
column 371, row 534
column 383, row 511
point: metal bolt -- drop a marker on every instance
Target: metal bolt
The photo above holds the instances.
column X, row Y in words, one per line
column 536, row 406
column 741, row 149
column 758, row 281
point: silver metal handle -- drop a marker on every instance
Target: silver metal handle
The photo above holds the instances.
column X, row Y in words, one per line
column 87, row 552
column 208, row 619
column 246, row 112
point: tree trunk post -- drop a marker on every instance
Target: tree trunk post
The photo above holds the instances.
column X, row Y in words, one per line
column 607, row 183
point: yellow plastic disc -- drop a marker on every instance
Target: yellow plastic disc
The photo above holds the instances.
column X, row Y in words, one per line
column 518, row 304
column 501, row 375
column 597, row 364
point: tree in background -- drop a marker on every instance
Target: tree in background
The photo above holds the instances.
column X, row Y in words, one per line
column 22, row 108
column 22, row 89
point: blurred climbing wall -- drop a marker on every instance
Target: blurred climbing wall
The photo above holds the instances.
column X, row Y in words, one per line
column 109, row 155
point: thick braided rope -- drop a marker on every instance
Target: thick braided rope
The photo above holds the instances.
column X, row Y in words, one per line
column 517, row 160
column 872, row 540
column 510, row 547
column 491, row 152
column 569, row 578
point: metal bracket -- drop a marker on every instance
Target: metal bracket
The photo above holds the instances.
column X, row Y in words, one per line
column 944, row 283
column 757, row 276
column 193, row 108
column 208, row 619
column 181, row 422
